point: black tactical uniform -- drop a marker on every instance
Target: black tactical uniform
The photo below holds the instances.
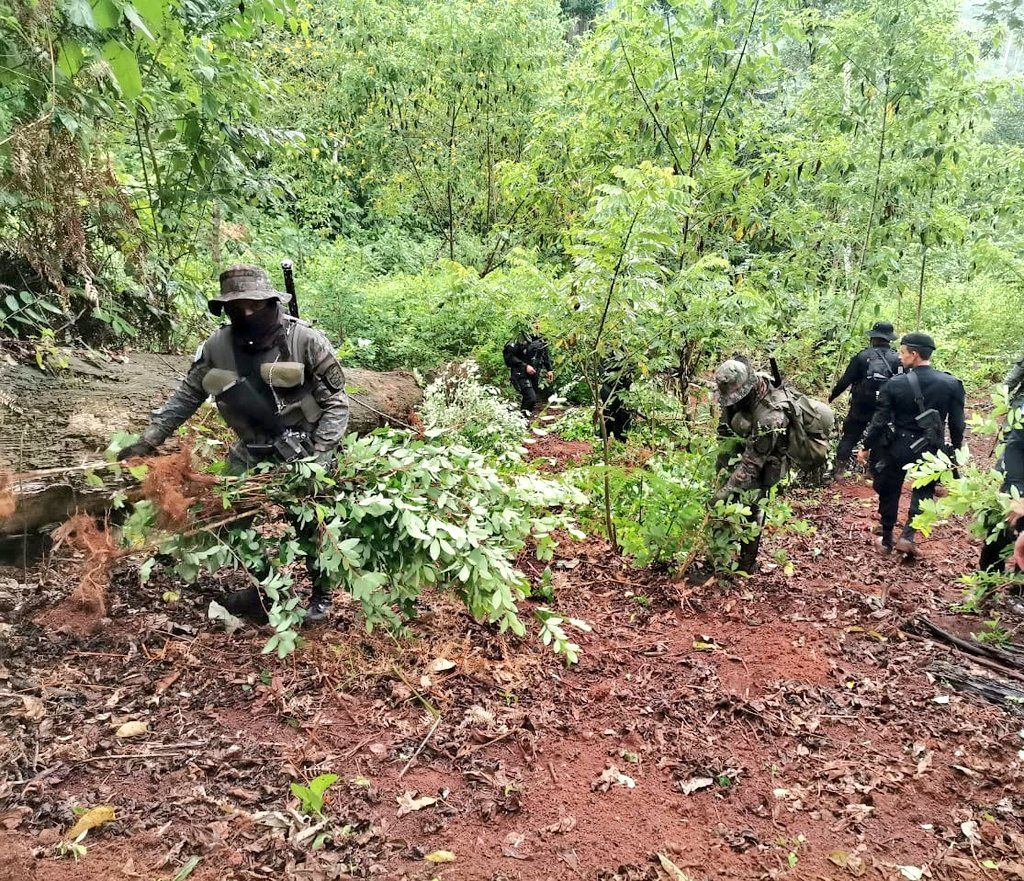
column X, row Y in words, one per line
column 865, row 375
column 616, row 377
column 994, row 553
column 897, row 438
column 527, row 351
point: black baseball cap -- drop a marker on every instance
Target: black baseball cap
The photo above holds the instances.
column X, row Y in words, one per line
column 918, row 340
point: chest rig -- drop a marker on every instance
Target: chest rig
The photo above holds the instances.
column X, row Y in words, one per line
column 271, row 396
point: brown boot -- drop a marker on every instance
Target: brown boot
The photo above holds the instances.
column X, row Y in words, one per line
column 906, row 546
column 884, row 541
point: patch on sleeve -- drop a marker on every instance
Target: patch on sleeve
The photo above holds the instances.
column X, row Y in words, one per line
column 334, row 377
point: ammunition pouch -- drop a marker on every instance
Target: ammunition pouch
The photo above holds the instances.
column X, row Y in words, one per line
column 241, row 398
column 283, row 374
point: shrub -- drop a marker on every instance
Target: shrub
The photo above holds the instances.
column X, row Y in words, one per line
column 457, row 406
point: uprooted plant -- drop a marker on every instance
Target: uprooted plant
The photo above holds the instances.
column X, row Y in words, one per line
column 396, row 515
column 458, row 404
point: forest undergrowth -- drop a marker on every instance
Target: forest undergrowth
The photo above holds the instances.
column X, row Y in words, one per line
column 790, row 724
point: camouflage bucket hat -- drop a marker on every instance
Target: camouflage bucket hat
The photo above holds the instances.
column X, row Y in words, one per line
column 244, row 282
column 734, row 380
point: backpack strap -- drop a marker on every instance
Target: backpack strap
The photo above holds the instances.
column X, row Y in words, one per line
column 875, row 355
column 915, row 388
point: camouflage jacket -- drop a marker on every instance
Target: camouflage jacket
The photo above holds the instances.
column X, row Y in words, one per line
column 759, row 429
column 317, row 406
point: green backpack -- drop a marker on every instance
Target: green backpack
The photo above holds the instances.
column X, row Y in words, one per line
column 811, row 423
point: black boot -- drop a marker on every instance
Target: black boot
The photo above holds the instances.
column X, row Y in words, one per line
column 906, row 543
column 319, row 607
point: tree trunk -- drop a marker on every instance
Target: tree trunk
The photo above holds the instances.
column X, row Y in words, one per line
column 51, row 423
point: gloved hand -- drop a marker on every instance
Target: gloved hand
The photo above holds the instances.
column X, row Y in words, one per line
column 133, row 451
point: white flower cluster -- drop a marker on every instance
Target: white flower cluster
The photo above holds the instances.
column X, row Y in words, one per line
column 461, row 408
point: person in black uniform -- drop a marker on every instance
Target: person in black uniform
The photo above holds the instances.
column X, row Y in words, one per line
column 526, row 357
column 910, row 420
column 996, row 552
column 865, row 375
column 616, row 377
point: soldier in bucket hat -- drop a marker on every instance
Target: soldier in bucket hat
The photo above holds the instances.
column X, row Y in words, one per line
column 276, row 382
column 865, row 375
column 753, row 414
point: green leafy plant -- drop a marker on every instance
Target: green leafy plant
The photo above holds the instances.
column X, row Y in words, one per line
column 458, row 407
column 74, row 848
column 993, row 633
column 24, row 311
column 312, row 796
column 398, row 516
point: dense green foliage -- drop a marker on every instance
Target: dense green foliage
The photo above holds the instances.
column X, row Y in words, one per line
column 785, row 173
column 660, row 184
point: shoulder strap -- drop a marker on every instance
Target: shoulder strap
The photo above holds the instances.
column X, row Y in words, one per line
column 877, row 357
column 915, row 388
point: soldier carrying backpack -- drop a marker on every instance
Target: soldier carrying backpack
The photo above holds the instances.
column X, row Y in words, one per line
column 773, row 427
column 865, row 375
column 910, row 420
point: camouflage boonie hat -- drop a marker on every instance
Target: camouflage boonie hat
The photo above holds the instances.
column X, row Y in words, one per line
column 244, row 282
column 734, row 380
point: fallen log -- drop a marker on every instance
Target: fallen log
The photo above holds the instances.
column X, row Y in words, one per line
column 998, row 691
column 52, row 425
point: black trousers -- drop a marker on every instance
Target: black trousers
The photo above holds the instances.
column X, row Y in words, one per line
column 1012, row 465
column 888, row 483
column 617, row 417
column 529, row 388
column 854, row 426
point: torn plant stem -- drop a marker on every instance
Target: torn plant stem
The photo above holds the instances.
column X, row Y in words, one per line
column 420, row 748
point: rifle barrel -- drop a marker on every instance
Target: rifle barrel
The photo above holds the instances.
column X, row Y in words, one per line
column 289, row 288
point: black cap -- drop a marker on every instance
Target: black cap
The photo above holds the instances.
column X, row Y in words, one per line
column 918, row 340
column 881, row 330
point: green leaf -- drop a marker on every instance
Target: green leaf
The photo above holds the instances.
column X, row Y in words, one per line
column 105, row 14
column 12, row 303
column 187, row 869
column 79, row 13
column 93, row 479
column 69, row 57
column 131, row 13
column 125, row 67
column 153, row 13
column 320, row 784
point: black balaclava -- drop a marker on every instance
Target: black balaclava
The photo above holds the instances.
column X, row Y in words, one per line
column 259, row 331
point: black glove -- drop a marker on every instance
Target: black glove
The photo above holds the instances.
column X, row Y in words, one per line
column 135, row 450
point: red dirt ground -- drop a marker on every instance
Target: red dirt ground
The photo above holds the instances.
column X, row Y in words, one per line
column 775, row 727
